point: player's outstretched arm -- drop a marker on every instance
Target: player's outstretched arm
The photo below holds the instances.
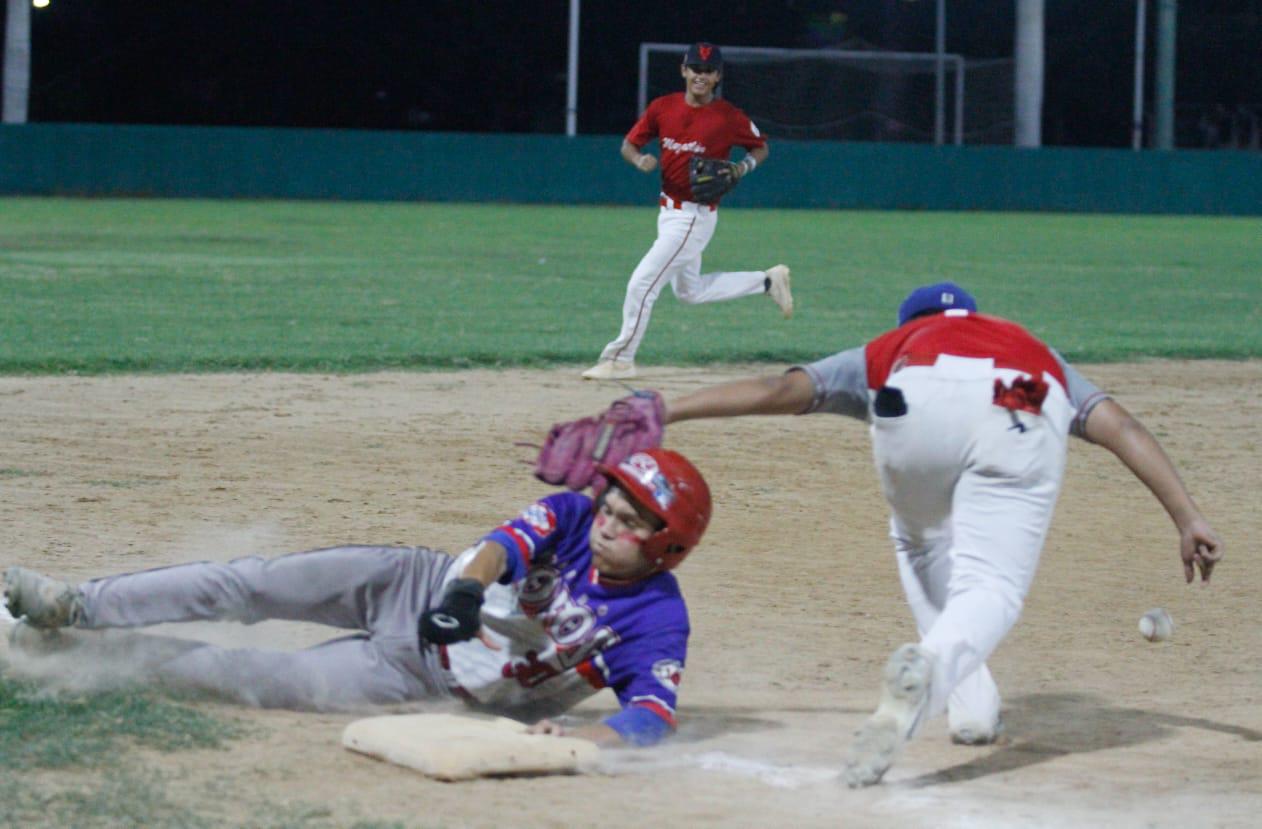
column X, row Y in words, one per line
column 457, row 617
column 789, row 393
column 487, row 564
column 635, row 725
column 1121, row 433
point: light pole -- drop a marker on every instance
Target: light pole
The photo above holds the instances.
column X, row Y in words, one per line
column 1029, row 81
column 1137, row 112
column 571, row 74
column 17, row 61
column 1163, row 91
column 939, row 75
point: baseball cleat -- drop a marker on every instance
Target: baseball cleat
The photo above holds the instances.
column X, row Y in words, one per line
column 904, row 697
column 611, row 370
column 778, row 288
column 977, row 735
column 46, row 603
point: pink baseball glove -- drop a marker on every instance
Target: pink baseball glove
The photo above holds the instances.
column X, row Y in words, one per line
column 573, row 450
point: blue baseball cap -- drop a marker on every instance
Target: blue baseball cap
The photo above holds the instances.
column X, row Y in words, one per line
column 936, row 297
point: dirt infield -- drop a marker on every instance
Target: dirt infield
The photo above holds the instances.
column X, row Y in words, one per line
column 794, row 597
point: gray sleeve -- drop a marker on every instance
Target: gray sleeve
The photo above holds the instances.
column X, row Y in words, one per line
column 841, row 384
column 1083, row 395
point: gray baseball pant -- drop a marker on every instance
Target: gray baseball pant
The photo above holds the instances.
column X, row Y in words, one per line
column 379, row 591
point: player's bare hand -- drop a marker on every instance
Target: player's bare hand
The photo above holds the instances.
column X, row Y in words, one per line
column 1200, row 548
column 646, row 163
column 554, row 729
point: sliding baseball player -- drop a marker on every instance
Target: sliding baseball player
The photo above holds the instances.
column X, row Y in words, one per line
column 571, row 596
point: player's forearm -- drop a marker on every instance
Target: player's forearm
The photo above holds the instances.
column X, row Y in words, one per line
column 750, row 162
column 487, row 565
column 631, row 153
column 1112, row 427
column 784, row 394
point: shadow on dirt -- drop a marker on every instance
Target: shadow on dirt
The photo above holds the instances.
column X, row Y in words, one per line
column 707, row 722
column 1046, row 726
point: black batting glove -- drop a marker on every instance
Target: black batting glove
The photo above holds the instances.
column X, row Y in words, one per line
column 457, row 618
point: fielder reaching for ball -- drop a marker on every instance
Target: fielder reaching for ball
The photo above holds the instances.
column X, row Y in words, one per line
column 689, row 124
column 571, row 596
column 970, row 417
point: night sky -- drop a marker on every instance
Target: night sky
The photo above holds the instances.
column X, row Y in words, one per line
column 500, row 66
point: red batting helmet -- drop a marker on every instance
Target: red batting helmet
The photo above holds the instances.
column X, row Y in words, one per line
column 666, row 484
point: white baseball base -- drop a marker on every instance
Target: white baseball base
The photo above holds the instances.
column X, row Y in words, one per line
column 458, row 747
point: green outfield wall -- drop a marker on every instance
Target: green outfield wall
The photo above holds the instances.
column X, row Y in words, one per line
column 234, row 162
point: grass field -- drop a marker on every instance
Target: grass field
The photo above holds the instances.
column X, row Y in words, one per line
column 147, row 285
column 88, row 737
column 70, row 760
column 93, row 286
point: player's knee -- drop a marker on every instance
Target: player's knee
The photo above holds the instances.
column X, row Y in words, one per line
column 687, row 294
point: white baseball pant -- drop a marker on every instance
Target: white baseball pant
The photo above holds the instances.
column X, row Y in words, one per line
column 683, row 231
column 972, row 487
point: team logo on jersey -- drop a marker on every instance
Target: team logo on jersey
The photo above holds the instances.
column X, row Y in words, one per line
column 691, row 147
column 669, row 672
column 538, row 589
column 567, row 621
column 540, row 518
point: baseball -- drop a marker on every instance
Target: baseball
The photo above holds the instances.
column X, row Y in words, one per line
column 1156, row 625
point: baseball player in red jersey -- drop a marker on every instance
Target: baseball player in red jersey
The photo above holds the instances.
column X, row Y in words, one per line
column 686, row 124
column 970, row 417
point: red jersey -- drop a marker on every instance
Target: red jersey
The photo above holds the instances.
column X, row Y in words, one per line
column 684, row 131
column 960, row 334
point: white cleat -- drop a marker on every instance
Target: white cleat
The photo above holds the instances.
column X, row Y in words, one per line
column 904, row 696
column 778, row 288
column 611, row 370
column 44, row 602
column 977, row 734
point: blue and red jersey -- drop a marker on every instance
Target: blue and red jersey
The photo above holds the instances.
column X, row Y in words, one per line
column 565, row 633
